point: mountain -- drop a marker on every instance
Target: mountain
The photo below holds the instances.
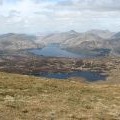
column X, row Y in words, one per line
column 90, row 42
column 84, row 40
column 12, row 41
column 72, row 38
column 57, row 37
column 93, row 41
column 105, row 34
column 87, row 44
column 114, row 43
column 116, row 36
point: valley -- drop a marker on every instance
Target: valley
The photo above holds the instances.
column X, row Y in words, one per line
column 61, row 55
column 29, row 64
column 89, row 43
column 59, row 82
column 59, row 59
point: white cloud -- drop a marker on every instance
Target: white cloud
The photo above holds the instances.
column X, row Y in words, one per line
column 58, row 15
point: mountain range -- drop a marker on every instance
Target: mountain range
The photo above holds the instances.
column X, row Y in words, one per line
column 90, row 42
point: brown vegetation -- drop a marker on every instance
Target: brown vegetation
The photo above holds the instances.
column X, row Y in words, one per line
column 30, row 98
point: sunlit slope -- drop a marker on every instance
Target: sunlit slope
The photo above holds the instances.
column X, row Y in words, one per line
column 30, row 98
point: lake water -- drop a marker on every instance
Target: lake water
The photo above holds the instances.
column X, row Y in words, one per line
column 54, row 50
column 89, row 76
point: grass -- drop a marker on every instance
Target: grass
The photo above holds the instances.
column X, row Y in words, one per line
column 32, row 98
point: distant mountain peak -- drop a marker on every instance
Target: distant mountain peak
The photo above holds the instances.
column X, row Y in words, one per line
column 99, row 30
column 72, row 32
column 105, row 34
column 10, row 34
column 7, row 35
column 117, row 35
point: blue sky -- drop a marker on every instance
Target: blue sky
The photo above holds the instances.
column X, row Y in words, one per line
column 41, row 16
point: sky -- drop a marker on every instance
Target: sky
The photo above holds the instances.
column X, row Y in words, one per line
column 42, row 16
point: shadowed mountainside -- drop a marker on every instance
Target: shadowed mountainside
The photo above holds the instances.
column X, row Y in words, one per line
column 12, row 41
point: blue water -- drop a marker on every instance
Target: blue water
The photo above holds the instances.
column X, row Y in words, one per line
column 89, row 76
column 54, row 50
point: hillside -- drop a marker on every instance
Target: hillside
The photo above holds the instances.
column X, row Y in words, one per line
column 57, row 37
column 117, row 35
column 30, row 98
column 12, row 41
column 105, row 34
column 70, row 37
column 93, row 42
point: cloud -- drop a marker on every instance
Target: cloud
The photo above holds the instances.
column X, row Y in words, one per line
column 58, row 15
column 1, row 2
column 99, row 5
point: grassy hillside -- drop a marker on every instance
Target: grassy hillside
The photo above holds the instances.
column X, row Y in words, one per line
column 30, row 98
